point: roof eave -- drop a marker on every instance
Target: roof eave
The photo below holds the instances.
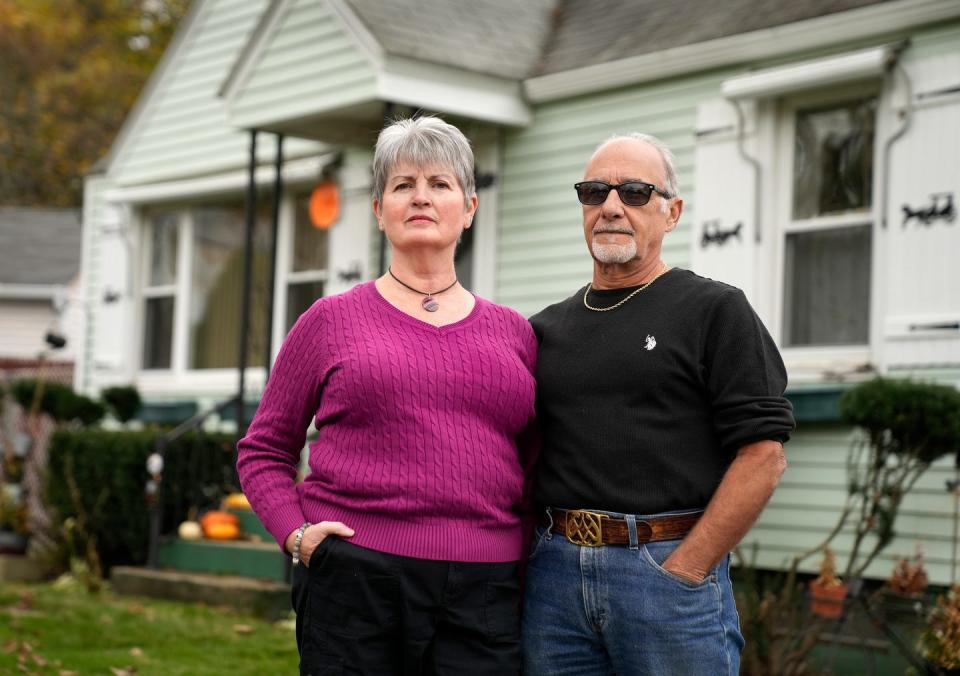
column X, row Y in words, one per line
column 823, row 31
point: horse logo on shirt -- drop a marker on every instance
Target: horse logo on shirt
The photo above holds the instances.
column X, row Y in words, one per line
column 651, row 343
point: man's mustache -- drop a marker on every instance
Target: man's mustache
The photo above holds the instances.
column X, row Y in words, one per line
column 611, row 229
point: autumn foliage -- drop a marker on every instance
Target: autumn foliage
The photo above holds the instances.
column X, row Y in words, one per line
column 70, row 70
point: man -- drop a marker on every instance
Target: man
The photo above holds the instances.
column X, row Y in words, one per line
column 660, row 397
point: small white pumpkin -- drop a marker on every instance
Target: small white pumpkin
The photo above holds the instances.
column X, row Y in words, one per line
column 190, row 530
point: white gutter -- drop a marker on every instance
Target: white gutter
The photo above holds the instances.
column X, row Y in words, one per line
column 824, row 31
column 296, row 171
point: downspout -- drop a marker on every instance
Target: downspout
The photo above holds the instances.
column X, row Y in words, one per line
column 753, row 162
column 893, row 63
column 275, row 215
column 247, row 265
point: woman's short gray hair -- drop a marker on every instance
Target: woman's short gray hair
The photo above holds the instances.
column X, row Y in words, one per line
column 423, row 141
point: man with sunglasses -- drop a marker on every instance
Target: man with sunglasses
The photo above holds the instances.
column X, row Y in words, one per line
column 660, row 397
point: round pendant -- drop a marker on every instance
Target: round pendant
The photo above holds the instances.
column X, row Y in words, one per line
column 430, row 304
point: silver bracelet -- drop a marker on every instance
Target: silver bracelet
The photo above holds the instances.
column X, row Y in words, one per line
column 297, row 539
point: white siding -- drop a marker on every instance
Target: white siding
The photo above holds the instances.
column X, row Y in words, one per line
column 23, row 324
column 103, row 355
column 310, row 66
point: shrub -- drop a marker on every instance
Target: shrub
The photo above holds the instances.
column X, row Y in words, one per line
column 109, row 469
column 124, row 402
column 907, row 425
column 59, row 401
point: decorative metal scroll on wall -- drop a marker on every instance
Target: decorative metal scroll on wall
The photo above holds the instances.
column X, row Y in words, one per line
column 940, row 209
column 714, row 234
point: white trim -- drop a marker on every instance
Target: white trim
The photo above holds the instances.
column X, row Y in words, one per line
column 295, row 171
column 817, row 73
column 211, row 382
column 833, row 29
column 825, row 358
column 836, row 221
column 31, row 291
column 488, row 222
column 450, row 90
column 180, row 349
column 355, row 28
column 285, row 240
column 239, row 73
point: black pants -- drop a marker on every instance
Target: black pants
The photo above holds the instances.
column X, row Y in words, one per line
column 361, row 611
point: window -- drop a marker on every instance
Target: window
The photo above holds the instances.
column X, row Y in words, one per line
column 194, row 279
column 160, row 289
column 827, row 259
column 216, row 285
column 308, row 262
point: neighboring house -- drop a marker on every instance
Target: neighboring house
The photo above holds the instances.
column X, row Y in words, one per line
column 818, row 147
column 39, row 280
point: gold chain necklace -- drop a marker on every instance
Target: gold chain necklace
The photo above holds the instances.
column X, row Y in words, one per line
column 632, row 293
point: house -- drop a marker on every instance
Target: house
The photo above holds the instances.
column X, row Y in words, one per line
column 39, row 285
column 817, row 146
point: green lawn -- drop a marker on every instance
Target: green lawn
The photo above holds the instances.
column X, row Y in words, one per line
column 50, row 629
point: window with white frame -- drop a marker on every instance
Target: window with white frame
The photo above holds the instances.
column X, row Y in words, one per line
column 308, row 262
column 159, row 292
column 828, row 230
column 195, row 262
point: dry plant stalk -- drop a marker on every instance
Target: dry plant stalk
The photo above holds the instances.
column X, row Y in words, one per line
column 828, row 570
column 909, row 577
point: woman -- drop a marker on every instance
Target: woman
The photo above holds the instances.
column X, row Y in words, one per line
column 407, row 532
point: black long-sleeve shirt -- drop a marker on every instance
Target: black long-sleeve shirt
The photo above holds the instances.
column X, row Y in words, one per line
column 643, row 408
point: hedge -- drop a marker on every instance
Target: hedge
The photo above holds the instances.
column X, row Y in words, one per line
column 110, row 471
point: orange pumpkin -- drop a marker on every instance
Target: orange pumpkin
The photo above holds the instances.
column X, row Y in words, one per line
column 220, row 525
column 236, row 501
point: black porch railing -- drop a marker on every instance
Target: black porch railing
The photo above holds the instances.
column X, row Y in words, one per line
column 158, row 496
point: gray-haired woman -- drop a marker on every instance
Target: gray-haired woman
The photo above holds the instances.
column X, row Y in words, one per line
column 407, row 532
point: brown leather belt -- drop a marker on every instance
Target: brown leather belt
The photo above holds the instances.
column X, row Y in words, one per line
column 593, row 529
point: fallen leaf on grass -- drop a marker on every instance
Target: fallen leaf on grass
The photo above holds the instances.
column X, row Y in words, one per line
column 106, row 619
column 9, row 646
column 26, row 601
column 64, row 672
column 123, row 671
column 136, row 652
column 243, row 628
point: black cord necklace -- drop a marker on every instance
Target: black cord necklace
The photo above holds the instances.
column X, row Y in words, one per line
column 430, row 304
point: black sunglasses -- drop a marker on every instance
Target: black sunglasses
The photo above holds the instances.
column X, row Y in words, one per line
column 632, row 193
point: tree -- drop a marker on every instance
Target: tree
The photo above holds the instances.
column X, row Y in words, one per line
column 71, row 70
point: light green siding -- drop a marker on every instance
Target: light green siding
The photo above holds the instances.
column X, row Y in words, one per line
column 310, row 66
column 812, row 493
column 183, row 130
column 542, row 257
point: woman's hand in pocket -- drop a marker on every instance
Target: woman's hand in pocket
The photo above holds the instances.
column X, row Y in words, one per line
column 315, row 534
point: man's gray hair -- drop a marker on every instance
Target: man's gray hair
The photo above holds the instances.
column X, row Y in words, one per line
column 669, row 162
column 423, row 142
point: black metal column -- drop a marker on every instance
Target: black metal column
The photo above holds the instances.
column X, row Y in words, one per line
column 271, row 297
column 247, row 281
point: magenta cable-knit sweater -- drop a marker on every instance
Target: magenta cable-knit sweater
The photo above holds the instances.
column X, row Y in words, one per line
column 417, row 425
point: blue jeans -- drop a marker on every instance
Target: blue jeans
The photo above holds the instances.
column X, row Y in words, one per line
column 614, row 610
